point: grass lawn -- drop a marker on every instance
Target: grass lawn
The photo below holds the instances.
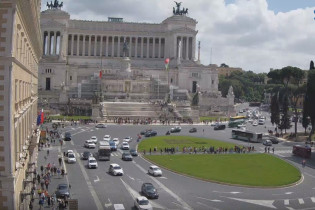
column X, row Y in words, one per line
column 242, row 169
column 213, row 118
column 160, row 142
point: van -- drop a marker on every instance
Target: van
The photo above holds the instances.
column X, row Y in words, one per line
column 219, row 127
column 67, row 136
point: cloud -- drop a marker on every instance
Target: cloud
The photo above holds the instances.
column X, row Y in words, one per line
column 243, row 34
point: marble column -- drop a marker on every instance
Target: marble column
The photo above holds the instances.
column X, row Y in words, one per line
column 95, row 44
column 159, row 55
column 72, row 43
column 193, row 48
column 78, row 44
column 101, row 47
column 148, row 44
column 106, row 52
column 130, row 46
column 187, row 47
column 181, row 50
column 113, row 46
column 48, row 43
column 153, row 49
column 55, row 45
column 90, row 39
column 141, row 47
column 83, row 47
column 136, row 47
column 118, row 47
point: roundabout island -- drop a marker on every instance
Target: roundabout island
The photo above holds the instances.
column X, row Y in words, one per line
column 220, row 162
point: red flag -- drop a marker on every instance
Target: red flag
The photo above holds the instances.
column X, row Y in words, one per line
column 100, row 74
column 42, row 117
column 167, row 61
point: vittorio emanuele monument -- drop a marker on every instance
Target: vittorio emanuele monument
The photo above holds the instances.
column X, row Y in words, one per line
column 116, row 68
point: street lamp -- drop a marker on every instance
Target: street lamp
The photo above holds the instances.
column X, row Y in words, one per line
column 167, row 61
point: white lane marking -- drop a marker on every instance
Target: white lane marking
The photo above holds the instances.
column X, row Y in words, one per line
column 287, row 193
column 108, row 204
column 176, row 204
column 135, row 194
column 301, row 201
column 266, row 203
column 227, row 192
column 64, row 164
column 97, row 179
column 131, row 178
column 163, row 177
column 207, row 199
column 309, row 175
column 208, row 207
column 86, row 177
column 313, row 199
column 184, row 204
column 287, row 202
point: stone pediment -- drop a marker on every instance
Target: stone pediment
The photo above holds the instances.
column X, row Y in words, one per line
column 53, row 24
column 184, row 30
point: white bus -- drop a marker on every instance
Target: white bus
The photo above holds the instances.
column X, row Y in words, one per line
column 245, row 135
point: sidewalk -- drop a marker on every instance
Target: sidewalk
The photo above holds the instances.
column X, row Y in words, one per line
column 43, row 160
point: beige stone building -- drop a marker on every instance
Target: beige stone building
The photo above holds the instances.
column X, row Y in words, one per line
column 20, row 51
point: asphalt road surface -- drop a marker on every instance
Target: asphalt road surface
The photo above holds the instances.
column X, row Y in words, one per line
column 96, row 189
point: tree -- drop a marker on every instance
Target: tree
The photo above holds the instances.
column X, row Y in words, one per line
column 285, row 122
column 224, row 65
column 305, row 118
column 312, row 65
column 310, row 100
column 275, row 111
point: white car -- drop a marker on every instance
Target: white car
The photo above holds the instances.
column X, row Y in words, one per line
column 100, row 125
column 115, row 170
column 94, row 139
column 255, row 123
column 127, row 139
column 155, row 170
column 116, row 140
column 89, row 144
column 142, row 203
column 125, row 146
column 71, row 158
column 92, row 163
column 107, row 138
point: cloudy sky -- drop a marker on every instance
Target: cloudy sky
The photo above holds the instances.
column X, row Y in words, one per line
column 252, row 34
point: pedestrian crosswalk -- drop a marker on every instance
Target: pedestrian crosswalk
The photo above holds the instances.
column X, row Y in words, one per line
column 308, row 201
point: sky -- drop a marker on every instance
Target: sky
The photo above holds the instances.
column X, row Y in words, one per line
column 254, row 35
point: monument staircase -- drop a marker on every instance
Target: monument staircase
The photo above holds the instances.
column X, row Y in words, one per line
column 131, row 110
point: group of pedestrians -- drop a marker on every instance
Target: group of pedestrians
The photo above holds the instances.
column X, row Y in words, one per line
column 269, row 149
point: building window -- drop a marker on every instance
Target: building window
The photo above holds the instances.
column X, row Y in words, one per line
column 70, row 77
column 196, row 75
column 212, row 82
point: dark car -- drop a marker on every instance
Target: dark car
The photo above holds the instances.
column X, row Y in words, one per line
column 150, row 133
column 274, row 140
column 193, row 130
column 149, row 191
column 143, row 132
column 126, row 156
column 62, row 191
column 219, row 127
column 86, row 155
column 176, row 129
column 133, row 152
column 67, row 136
column 168, row 133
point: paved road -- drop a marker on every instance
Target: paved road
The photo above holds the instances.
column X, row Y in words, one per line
column 96, row 189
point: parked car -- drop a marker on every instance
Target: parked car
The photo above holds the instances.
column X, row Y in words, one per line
column 193, row 130
column 127, row 139
column 126, row 156
column 68, row 136
column 125, row 146
column 94, row 139
column 85, row 155
column 142, row 203
column 155, row 170
column 267, row 143
column 219, row 127
column 71, row 158
column 107, row 138
column 89, row 144
column 176, row 129
column 149, row 191
column 101, row 125
column 115, row 170
column 92, row 163
column 133, row 152
column 62, row 191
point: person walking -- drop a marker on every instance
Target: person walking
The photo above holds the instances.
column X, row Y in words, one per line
column 60, row 160
column 38, row 178
column 46, row 184
column 273, row 150
column 303, row 163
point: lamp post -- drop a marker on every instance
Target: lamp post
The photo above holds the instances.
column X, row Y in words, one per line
column 167, row 61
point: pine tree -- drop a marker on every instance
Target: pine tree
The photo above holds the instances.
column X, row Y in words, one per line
column 274, row 109
column 285, row 122
column 312, row 65
column 310, row 99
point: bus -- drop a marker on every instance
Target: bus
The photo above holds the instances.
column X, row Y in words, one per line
column 302, row 151
column 245, row 135
column 237, row 118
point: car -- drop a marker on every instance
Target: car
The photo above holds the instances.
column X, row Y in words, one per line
column 92, row 163
column 142, row 203
column 149, row 191
column 214, row 124
column 193, row 130
column 127, row 139
column 176, row 129
column 267, row 142
column 168, row 133
column 126, row 156
column 144, row 131
column 107, row 138
column 241, row 126
column 68, row 136
column 255, row 123
column 155, row 170
column 85, row 155
column 69, row 151
column 261, row 121
column 115, row 170
column 71, row 158
column 101, row 125
column 125, row 146
column 62, row 191
column 94, row 139
column 219, row 127
column 89, row 144
column 150, row 133
column 133, row 152
column 116, row 140
column 113, row 145
column 274, row 140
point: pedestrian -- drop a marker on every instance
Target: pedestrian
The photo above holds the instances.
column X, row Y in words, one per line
column 38, row 178
column 47, row 152
column 46, row 184
column 62, row 172
column 42, row 183
column 30, row 206
column 273, row 150
column 58, row 172
column 60, row 160
column 303, row 163
column 42, row 169
column 48, row 200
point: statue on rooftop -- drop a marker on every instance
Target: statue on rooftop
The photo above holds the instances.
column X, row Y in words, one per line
column 54, row 5
column 178, row 11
